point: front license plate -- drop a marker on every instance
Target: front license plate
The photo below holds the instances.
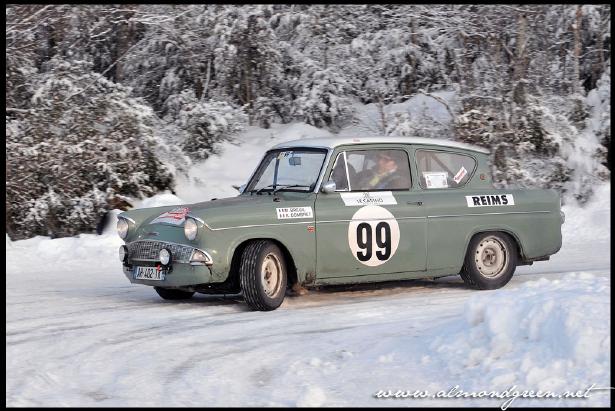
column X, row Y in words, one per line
column 149, row 273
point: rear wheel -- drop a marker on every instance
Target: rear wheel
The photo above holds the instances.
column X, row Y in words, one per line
column 171, row 294
column 490, row 261
column 263, row 275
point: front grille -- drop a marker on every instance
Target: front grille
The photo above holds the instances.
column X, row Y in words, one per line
column 149, row 250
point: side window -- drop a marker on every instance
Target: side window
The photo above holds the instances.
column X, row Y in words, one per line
column 371, row 170
column 338, row 173
column 438, row 169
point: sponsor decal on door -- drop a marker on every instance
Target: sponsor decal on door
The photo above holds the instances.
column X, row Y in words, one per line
column 363, row 198
column 286, row 213
column 490, row 200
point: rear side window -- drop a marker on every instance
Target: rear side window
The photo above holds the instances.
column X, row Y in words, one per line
column 438, row 169
column 371, row 170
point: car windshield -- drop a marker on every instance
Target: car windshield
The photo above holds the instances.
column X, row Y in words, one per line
column 288, row 169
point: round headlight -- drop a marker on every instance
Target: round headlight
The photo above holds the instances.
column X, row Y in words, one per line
column 122, row 228
column 123, row 252
column 190, row 229
column 165, row 256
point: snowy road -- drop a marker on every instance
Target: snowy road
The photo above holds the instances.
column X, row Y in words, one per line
column 78, row 334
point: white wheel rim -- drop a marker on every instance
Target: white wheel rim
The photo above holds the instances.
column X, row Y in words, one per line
column 271, row 275
column 491, row 257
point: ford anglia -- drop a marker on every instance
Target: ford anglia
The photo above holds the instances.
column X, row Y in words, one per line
column 344, row 211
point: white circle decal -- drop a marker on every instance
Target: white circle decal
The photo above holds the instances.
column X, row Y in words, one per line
column 373, row 235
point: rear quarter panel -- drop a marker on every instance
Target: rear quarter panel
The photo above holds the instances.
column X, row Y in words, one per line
column 533, row 221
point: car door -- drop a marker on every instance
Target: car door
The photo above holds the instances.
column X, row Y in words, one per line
column 443, row 176
column 375, row 222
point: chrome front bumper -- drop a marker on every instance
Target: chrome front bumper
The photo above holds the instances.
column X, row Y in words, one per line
column 189, row 265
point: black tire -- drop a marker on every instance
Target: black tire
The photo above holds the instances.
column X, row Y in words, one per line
column 490, row 262
column 171, row 294
column 259, row 259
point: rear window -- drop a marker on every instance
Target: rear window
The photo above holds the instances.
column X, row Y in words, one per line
column 439, row 169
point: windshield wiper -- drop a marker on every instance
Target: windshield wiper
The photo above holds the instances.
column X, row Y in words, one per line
column 262, row 188
column 277, row 187
column 289, row 186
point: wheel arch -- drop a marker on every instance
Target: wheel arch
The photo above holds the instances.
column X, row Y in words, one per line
column 508, row 231
column 291, row 267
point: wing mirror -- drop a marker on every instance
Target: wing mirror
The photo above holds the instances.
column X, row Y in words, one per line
column 328, row 187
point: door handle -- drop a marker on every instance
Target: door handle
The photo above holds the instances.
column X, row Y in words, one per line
column 418, row 203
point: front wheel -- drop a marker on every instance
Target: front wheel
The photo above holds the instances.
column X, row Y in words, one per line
column 490, row 261
column 263, row 275
column 170, row 294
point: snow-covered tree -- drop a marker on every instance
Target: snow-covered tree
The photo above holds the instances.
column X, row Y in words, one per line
column 203, row 123
column 248, row 61
column 321, row 101
column 83, row 146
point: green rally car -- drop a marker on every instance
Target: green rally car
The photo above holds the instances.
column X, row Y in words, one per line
column 344, row 211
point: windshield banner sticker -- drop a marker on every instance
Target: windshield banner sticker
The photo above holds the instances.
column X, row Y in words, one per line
column 294, row 212
column 490, row 200
column 368, row 198
column 176, row 216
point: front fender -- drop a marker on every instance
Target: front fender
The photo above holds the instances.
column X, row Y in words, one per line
column 222, row 244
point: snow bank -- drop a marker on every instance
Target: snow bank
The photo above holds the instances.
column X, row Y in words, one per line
column 159, row 200
column 42, row 254
column 80, row 251
column 545, row 335
column 420, row 108
column 586, row 230
column 592, row 221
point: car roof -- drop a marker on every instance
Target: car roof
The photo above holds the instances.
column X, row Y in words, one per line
column 332, row 142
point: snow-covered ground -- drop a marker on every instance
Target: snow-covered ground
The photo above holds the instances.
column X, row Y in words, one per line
column 79, row 334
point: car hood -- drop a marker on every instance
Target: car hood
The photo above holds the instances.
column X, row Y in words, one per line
column 220, row 213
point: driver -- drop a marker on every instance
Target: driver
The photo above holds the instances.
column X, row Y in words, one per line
column 385, row 175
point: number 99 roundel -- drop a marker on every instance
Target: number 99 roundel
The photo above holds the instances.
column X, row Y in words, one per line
column 373, row 235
